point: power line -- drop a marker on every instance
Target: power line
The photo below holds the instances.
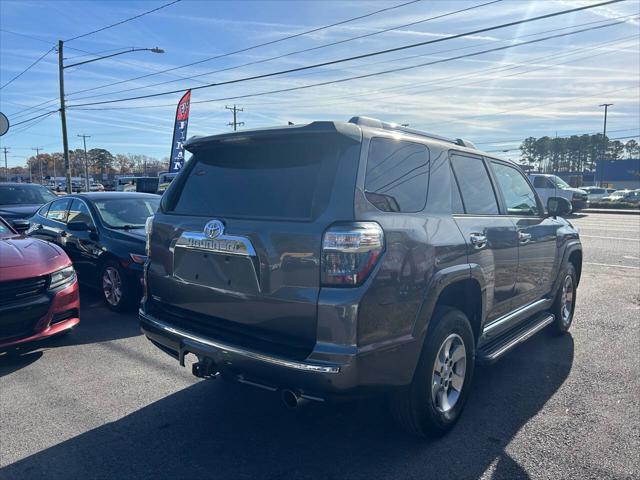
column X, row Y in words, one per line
column 123, row 21
column 28, row 68
column 158, row 72
column 449, row 85
column 34, row 118
column 330, row 82
column 403, row 86
column 381, row 52
column 277, row 57
column 252, row 47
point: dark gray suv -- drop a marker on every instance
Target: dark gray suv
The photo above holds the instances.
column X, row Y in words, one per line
column 338, row 259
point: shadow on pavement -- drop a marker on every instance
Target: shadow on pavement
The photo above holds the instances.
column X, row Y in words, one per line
column 12, row 362
column 219, row 430
column 97, row 324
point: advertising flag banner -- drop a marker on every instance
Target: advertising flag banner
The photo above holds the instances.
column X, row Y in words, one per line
column 176, row 160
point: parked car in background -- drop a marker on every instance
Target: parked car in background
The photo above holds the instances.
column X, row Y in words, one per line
column 38, row 290
column 630, row 196
column 96, row 187
column 19, row 201
column 103, row 234
column 147, row 184
column 165, row 180
column 549, row 186
column 338, row 259
column 595, row 194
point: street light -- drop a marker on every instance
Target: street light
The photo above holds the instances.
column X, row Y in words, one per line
column 63, row 115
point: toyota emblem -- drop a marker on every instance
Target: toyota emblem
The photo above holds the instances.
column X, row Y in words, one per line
column 214, row 229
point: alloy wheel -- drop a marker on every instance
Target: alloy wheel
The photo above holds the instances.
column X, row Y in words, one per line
column 448, row 374
column 566, row 302
column 112, row 286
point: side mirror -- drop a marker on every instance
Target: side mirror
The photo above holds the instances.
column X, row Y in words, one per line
column 20, row 225
column 79, row 226
column 558, row 206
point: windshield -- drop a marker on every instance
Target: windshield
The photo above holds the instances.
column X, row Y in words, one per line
column 5, row 231
column 126, row 212
column 24, row 195
column 558, row 182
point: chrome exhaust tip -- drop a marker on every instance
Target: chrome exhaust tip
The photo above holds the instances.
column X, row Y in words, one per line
column 292, row 399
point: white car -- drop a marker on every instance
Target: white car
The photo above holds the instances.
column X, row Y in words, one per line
column 553, row 186
column 597, row 193
column 631, row 196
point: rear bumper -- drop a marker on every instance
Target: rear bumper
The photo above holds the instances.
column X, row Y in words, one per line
column 62, row 315
column 355, row 376
column 578, row 204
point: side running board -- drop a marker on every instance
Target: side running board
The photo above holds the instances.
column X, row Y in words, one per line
column 491, row 351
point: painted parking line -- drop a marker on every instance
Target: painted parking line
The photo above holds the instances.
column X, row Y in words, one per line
column 612, row 238
column 612, row 265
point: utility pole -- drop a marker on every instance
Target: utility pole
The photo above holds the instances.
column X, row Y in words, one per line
column 86, row 162
column 6, row 168
column 63, row 118
column 604, row 140
column 235, row 111
column 37, row 149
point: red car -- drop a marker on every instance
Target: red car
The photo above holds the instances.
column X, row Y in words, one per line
column 39, row 294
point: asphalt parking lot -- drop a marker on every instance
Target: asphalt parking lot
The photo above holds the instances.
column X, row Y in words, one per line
column 105, row 403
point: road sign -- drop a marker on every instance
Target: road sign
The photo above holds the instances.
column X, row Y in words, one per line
column 4, row 124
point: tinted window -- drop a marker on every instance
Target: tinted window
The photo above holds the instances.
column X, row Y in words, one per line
column 475, row 186
column 277, row 177
column 518, row 195
column 127, row 212
column 397, row 175
column 25, row 195
column 58, row 210
column 541, row 182
column 456, row 199
column 79, row 212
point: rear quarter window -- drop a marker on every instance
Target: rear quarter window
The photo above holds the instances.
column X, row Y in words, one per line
column 397, row 175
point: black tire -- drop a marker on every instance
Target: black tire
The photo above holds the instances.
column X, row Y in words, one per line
column 414, row 408
column 120, row 298
column 563, row 315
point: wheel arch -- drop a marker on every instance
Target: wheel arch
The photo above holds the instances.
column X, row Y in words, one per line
column 459, row 287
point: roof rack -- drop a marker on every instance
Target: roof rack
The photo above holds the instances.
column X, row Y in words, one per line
column 375, row 123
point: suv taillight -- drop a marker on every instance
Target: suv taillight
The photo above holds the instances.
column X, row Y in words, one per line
column 349, row 253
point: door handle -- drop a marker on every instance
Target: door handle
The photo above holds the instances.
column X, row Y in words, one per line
column 63, row 233
column 524, row 237
column 478, row 240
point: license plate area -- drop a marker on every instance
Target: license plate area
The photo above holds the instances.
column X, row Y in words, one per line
column 216, row 270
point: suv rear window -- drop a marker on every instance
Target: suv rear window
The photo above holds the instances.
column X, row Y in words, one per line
column 284, row 177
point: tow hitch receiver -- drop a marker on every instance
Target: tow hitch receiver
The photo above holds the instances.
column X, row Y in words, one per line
column 205, row 368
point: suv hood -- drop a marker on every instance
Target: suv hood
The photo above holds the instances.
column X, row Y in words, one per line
column 24, row 257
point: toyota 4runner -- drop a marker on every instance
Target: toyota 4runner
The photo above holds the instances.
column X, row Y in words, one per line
column 345, row 258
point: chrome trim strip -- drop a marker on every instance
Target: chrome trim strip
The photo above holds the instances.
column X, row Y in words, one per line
column 227, row 244
column 309, row 367
column 510, row 316
column 524, row 336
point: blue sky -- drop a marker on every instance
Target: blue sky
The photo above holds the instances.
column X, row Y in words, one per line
column 494, row 99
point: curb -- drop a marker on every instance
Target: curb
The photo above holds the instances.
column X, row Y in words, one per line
column 630, row 211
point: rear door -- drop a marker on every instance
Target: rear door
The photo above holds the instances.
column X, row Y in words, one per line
column 52, row 226
column 491, row 238
column 82, row 246
column 537, row 234
column 235, row 249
